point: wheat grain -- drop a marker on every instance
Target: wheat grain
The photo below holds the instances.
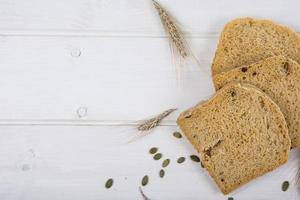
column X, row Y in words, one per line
column 154, row 121
column 172, row 30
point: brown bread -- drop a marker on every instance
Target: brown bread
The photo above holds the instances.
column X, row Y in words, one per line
column 240, row 134
column 279, row 78
column 246, row 40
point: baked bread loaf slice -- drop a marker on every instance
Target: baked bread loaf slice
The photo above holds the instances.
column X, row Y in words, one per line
column 244, row 41
column 240, row 134
column 279, row 78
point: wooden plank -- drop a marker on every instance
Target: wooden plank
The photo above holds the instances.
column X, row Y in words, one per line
column 135, row 17
column 57, row 162
column 93, row 79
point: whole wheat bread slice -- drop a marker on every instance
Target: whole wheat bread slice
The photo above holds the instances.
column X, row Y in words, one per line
column 240, row 134
column 279, row 78
column 244, row 41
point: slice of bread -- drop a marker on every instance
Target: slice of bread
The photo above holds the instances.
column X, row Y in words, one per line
column 246, row 40
column 240, row 134
column 279, row 78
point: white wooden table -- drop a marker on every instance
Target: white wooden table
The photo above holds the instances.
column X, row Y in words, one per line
column 75, row 76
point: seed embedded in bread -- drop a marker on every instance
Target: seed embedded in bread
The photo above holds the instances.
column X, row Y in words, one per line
column 240, row 134
column 244, row 41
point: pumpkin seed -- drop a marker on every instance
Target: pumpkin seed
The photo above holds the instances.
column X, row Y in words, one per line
column 180, row 160
column 109, row 183
column 145, row 180
column 195, row 158
column 165, row 163
column 285, row 186
column 157, row 156
column 161, row 173
column 230, row 198
column 153, row 150
column 177, row 135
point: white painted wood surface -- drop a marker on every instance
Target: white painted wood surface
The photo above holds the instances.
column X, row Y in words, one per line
column 76, row 75
column 135, row 17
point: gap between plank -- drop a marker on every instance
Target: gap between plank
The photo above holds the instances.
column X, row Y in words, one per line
column 98, row 33
column 77, row 123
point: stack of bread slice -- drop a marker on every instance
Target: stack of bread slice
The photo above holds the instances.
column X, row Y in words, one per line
column 248, row 127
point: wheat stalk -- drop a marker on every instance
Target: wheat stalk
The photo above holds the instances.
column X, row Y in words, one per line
column 172, row 30
column 154, row 121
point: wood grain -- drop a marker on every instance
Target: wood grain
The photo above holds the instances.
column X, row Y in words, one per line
column 135, row 17
column 61, row 162
column 41, row 79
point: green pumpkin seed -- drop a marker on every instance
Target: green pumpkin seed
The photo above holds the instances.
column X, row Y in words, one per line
column 153, row 150
column 180, row 160
column 145, row 180
column 195, row 158
column 109, row 183
column 165, row 163
column 177, row 135
column 285, row 186
column 161, row 173
column 230, row 198
column 157, row 156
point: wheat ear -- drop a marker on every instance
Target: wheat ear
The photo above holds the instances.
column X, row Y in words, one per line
column 172, row 30
column 151, row 123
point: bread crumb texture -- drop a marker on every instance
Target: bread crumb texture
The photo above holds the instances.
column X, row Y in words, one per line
column 279, row 78
column 245, row 40
column 240, row 134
